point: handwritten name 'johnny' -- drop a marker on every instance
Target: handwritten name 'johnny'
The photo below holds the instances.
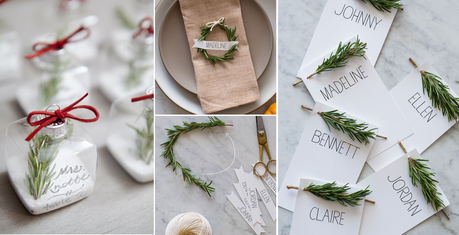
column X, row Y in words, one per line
column 358, row 16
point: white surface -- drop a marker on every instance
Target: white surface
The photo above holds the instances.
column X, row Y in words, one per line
column 427, row 122
column 344, row 19
column 365, row 96
column 399, row 205
column 321, row 217
column 324, row 154
column 424, row 30
column 189, row 101
column 118, row 203
column 208, row 151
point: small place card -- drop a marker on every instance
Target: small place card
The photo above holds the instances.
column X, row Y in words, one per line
column 212, row 45
column 399, row 204
column 325, row 154
column 427, row 122
column 358, row 89
column 314, row 215
column 344, row 19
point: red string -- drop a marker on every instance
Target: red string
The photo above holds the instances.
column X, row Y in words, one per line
column 59, row 44
column 144, row 97
column 59, row 114
column 147, row 28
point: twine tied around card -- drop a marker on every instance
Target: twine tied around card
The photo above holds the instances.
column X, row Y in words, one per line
column 60, row 115
column 41, row 48
column 332, row 192
column 340, row 57
column 205, row 30
column 349, row 126
column 145, row 25
column 420, row 174
column 439, row 94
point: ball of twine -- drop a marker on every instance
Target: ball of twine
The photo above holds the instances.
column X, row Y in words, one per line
column 190, row 223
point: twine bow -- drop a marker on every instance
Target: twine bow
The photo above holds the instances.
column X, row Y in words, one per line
column 59, row 114
column 144, row 97
column 213, row 23
column 145, row 27
column 59, row 44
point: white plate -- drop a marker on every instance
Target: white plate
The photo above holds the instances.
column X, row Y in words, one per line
column 189, row 101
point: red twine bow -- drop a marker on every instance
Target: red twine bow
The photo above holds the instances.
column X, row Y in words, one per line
column 59, row 114
column 144, row 97
column 59, row 44
column 145, row 27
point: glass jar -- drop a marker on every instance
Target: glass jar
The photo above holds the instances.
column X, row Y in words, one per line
column 130, row 136
column 10, row 53
column 62, row 81
column 56, row 168
column 134, row 73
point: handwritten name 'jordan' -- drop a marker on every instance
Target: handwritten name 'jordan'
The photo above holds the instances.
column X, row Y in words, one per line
column 359, row 17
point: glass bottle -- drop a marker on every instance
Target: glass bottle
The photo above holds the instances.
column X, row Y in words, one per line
column 10, row 55
column 135, row 72
column 62, row 81
column 56, row 168
column 130, row 136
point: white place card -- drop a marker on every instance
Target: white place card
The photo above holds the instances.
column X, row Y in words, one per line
column 314, row 215
column 344, row 19
column 324, row 154
column 427, row 122
column 358, row 89
column 244, row 212
column 399, row 204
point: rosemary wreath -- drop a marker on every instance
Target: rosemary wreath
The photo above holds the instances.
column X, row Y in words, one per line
column 168, row 152
column 205, row 30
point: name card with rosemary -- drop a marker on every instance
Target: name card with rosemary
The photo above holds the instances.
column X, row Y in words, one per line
column 358, row 89
column 326, row 153
column 319, row 216
column 427, row 121
column 347, row 18
column 400, row 204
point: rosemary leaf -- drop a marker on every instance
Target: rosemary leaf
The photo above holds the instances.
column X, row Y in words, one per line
column 124, row 19
column 385, row 5
column 168, row 152
column 144, row 140
column 331, row 192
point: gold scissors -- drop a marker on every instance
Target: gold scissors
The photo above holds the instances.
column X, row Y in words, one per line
column 263, row 141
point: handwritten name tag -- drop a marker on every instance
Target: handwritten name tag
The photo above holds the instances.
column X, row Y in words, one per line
column 211, row 45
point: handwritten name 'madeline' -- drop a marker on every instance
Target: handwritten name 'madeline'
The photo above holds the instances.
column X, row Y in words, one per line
column 358, row 16
column 343, row 83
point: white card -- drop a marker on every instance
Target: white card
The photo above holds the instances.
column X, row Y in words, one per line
column 265, row 197
column 427, row 122
column 270, row 181
column 243, row 211
column 359, row 19
column 358, row 89
column 321, row 217
column 324, row 154
column 399, row 204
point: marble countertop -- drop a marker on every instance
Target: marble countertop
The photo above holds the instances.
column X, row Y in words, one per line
column 163, row 105
column 424, row 30
column 118, row 203
column 209, row 151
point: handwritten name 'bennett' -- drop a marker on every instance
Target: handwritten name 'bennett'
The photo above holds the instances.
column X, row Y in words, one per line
column 359, row 17
column 340, row 146
column 343, row 83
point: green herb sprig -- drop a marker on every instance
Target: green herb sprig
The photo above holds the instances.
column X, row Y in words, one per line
column 144, row 140
column 230, row 33
column 50, row 87
column 124, row 18
column 439, row 94
column 385, row 5
column 331, row 192
column 168, row 152
column 419, row 173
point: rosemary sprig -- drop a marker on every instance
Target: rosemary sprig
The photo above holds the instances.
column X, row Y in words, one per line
column 339, row 58
column 230, row 33
column 385, row 5
column 356, row 131
column 439, row 94
column 144, row 140
column 419, row 173
column 168, row 152
column 51, row 87
column 331, row 192
column 124, row 19
column 134, row 77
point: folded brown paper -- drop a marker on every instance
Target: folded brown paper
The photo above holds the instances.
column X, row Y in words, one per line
column 226, row 84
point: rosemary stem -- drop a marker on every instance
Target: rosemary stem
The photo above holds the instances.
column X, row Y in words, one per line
column 381, row 136
column 298, row 82
column 305, row 107
column 295, row 187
